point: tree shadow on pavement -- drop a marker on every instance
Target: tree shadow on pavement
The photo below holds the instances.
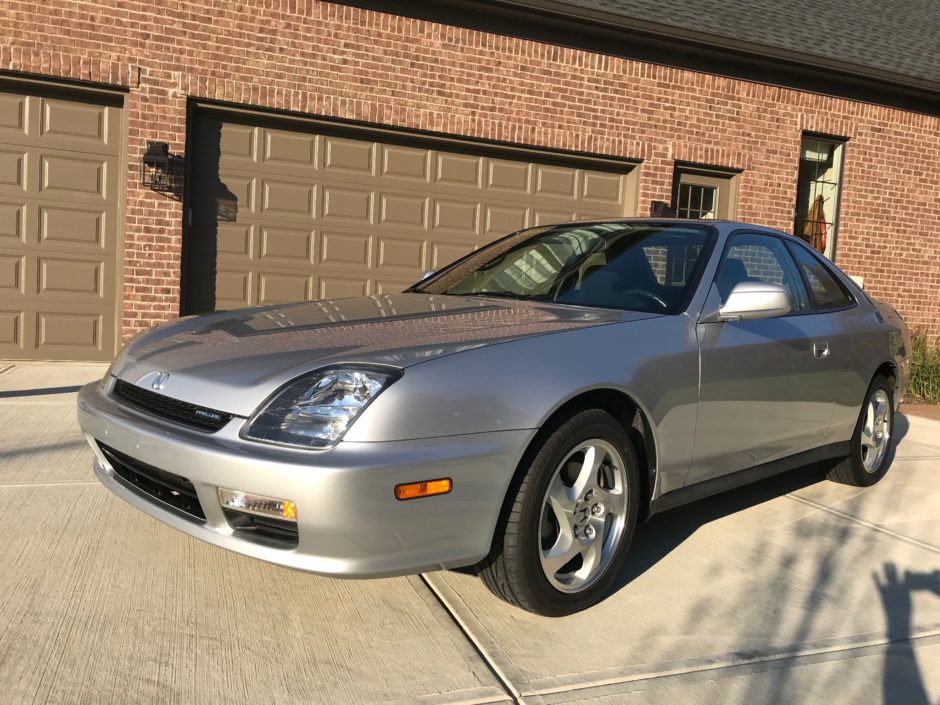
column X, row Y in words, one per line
column 903, row 682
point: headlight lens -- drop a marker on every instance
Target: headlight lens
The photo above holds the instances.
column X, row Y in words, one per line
column 315, row 410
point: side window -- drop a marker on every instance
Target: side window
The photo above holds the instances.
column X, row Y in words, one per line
column 752, row 257
column 825, row 289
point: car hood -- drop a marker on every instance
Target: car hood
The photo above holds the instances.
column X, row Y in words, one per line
column 233, row 361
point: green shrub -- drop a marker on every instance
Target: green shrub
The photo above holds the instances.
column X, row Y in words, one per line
column 925, row 369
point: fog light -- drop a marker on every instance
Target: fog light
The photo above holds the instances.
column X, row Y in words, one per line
column 258, row 504
column 428, row 488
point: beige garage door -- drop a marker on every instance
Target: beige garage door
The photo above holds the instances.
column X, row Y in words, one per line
column 290, row 214
column 59, row 163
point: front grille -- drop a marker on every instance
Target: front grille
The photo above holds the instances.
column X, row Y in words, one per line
column 165, row 487
column 200, row 417
column 267, row 529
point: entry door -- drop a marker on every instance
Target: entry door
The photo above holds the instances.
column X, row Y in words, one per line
column 767, row 386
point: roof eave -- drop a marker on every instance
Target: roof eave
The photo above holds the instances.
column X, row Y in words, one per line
column 583, row 15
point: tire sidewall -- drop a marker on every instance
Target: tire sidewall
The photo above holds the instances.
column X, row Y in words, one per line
column 862, row 476
column 578, row 428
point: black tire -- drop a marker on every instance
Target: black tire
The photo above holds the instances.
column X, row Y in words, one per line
column 513, row 569
column 851, row 470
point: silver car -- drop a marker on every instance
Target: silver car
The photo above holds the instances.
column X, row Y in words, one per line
column 519, row 411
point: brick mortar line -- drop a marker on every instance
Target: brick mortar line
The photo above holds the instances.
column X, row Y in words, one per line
column 867, row 524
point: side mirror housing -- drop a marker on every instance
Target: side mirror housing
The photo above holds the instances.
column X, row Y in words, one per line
column 752, row 300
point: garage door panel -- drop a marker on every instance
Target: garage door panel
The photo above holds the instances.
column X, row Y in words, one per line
column 406, row 163
column 501, row 220
column 291, row 246
column 11, row 333
column 458, row 170
column 338, row 216
column 288, row 149
column 602, row 188
column 234, row 242
column 283, row 287
column 556, row 181
column 12, row 276
column 339, row 285
column 230, row 197
column 443, row 253
column 69, row 330
column 71, row 278
column 13, row 171
column 70, row 177
column 459, row 217
column 12, row 117
column 234, row 144
column 349, row 156
column 402, row 254
column 345, row 249
column 233, row 289
column 547, row 217
column 397, row 209
column 346, row 204
column 288, row 199
column 63, row 331
column 390, row 286
column 12, row 224
column 510, row 177
column 67, row 226
column 74, row 125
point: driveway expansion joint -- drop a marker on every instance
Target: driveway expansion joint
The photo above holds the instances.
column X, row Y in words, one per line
column 511, row 690
column 867, row 524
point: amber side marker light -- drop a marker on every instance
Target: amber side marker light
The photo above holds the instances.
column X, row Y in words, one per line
column 428, row 488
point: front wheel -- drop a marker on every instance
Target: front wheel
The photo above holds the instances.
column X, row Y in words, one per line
column 871, row 441
column 571, row 521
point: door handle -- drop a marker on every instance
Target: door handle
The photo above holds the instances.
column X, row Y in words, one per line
column 821, row 349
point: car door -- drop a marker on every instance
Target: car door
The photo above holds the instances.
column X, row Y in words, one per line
column 765, row 385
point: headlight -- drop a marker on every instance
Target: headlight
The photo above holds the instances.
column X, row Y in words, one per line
column 315, row 410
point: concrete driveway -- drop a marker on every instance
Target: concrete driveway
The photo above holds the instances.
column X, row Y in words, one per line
column 794, row 590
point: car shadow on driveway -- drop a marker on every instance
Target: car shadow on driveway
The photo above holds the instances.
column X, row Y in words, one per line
column 664, row 532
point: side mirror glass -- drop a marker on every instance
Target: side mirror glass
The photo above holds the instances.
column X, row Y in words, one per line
column 753, row 300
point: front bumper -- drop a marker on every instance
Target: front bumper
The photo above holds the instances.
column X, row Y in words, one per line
column 349, row 522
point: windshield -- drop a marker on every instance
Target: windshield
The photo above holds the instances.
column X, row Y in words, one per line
column 647, row 267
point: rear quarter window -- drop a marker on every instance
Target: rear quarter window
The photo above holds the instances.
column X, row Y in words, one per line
column 825, row 289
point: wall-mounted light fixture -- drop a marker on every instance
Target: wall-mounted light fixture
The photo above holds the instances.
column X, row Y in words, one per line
column 161, row 171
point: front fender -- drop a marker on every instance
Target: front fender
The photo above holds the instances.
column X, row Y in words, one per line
column 520, row 384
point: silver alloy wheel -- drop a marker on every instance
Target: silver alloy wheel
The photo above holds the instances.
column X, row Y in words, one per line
column 583, row 516
column 876, row 433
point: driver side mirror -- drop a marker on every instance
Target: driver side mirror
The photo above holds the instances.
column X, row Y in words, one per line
column 752, row 300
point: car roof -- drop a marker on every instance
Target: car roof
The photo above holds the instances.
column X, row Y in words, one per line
column 724, row 225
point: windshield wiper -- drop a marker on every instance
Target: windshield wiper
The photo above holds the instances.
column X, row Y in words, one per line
column 507, row 295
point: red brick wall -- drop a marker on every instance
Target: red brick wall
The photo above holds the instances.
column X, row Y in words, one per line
column 330, row 60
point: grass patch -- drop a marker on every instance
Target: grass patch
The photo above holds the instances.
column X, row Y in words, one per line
column 925, row 369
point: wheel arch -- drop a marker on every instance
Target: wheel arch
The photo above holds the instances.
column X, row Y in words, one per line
column 889, row 369
column 622, row 407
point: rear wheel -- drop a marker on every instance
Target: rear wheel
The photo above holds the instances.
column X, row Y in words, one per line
column 571, row 521
column 871, row 441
